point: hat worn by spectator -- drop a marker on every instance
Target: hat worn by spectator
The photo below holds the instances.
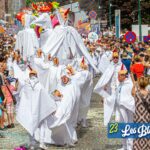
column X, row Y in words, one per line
column 115, row 54
column 33, row 72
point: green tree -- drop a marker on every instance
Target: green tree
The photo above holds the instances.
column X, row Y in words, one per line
column 129, row 10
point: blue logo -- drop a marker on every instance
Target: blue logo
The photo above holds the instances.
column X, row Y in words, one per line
column 128, row 130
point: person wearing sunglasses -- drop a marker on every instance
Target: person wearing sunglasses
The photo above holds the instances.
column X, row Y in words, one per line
column 107, row 87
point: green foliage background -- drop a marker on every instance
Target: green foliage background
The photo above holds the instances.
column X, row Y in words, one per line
column 129, row 10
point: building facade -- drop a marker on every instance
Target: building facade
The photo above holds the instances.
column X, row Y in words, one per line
column 2, row 9
column 14, row 6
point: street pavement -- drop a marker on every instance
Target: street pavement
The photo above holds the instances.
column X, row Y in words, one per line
column 94, row 137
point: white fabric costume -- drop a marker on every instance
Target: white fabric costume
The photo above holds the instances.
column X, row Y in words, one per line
column 48, row 74
column 85, row 83
column 106, row 87
column 104, row 61
column 63, row 123
column 35, row 106
column 27, row 41
column 126, row 106
column 44, row 21
column 65, row 42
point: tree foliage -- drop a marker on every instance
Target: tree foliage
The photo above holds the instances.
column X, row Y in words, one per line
column 129, row 10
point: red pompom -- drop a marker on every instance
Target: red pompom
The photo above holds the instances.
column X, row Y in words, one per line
column 19, row 15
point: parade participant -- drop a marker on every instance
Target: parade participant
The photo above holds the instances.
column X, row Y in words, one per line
column 42, row 67
column 34, row 107
column 142, row 110
column 66, row 43
column 44, row 21
column 83, row 78
column 63, row 122
column 19, row 69
column 47, row 72
column 107, row 86
column 27, row 41
column 125, row 104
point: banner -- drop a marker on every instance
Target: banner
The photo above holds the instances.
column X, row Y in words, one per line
column 128, row 130
column 117, row 23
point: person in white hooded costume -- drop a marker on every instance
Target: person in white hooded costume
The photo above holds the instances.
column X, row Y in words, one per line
column 47, row 72
column 34, row 107
column 84, row 80
column 65, row 42
column 64, row 121
column 61, row 129
column 27, row 41
column 44, row 21
column 107, row 86
column 125, row 103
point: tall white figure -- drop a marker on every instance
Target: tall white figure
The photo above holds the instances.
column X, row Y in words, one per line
column 27, row 41
column 65, row 42
column 107, row 86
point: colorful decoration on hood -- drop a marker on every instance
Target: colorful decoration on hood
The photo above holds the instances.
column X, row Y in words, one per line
column 83, row 61
column 55, row 5
column 44, row 6
column 35, row 14
column 34, row 6
column 55, row 21
column 19, row 15
column 38, row 30
column 64, row 12
column 32, row 26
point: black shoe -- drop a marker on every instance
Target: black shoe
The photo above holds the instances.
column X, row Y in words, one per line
column 12, row 125
column 9, row 126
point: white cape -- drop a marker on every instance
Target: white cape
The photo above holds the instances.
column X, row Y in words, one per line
column 47, row 74
column 109, row 98
column 27, row 41
column 64, row 121
column 85, row 84
column 35, row 105
column 104, row 61
column 66, row 40
column 126, row 98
